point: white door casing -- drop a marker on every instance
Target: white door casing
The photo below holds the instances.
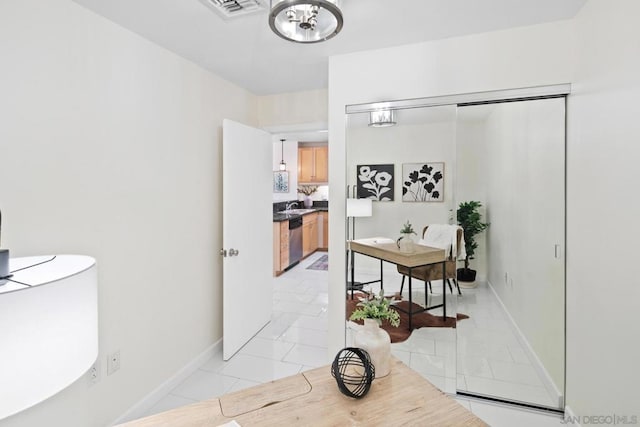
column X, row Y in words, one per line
column 247, row 233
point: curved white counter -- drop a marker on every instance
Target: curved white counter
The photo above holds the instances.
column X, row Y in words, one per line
column 48, row 327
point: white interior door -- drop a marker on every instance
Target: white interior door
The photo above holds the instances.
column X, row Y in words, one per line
column 247, row 233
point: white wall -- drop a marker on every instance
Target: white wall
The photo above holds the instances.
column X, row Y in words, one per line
column 293, row 109
column 597, row 52
column 471, row 171
column 525, row 146
column 528, row 56
column 603, row 211
column 296, row 116
column 111, row 147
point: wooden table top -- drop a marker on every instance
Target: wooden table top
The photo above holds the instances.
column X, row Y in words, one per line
column 387, row 250
column 312, row 398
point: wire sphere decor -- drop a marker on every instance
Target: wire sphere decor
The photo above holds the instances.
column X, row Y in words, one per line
column 353, row 371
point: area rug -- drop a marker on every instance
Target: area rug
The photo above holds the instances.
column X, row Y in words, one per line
column 420, row 320
column 321, row 263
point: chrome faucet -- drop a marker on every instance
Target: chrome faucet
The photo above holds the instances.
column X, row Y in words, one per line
column 289, row 205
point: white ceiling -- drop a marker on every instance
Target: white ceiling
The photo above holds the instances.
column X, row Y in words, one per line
column 246, row 52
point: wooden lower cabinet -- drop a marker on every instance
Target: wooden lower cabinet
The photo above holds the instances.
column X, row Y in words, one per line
column 315, row 235
column 309, row 233
column 280, row 247
column 324, row 219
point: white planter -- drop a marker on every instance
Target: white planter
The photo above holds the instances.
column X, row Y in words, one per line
column 405, row 243
column 377, row 343
column 308, row 202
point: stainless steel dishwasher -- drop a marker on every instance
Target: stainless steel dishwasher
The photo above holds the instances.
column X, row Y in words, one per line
column 295, row 241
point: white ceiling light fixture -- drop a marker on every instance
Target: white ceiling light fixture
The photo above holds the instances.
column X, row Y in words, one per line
column 382, row 118
column 283, row 165
column 305, row 21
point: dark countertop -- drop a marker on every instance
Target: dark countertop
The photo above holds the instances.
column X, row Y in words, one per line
column 281, row 216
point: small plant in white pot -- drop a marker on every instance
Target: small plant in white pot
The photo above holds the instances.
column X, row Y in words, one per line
column 405, row 241
column 375, row 340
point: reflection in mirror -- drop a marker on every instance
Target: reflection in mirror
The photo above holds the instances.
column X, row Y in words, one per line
column 510, row 157
column 408, row 170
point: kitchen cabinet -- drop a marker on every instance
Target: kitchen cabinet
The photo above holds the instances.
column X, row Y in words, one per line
column 313, row 164
column 280, row 247
column 309, row 233
column 323, row 237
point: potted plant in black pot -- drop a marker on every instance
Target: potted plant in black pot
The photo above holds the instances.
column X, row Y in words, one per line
column 470, row 221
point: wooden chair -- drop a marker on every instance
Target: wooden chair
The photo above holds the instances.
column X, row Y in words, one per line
column 434, row 272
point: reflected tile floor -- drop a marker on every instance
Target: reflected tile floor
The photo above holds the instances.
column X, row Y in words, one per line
column 296, row 340
column 492, row 360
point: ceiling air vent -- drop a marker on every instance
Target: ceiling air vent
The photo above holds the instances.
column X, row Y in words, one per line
column 234, row 8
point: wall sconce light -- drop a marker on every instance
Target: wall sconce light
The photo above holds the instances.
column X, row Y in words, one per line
column 382, row 118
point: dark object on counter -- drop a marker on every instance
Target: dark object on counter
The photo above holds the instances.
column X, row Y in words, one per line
column 353, row 371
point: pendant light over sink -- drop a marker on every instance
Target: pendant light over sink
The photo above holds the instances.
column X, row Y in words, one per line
column 305, row 21
column 283, row 165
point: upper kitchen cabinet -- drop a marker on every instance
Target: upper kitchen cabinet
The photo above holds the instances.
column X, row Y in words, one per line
column 313, row 164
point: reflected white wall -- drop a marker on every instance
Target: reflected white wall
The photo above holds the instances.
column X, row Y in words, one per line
column 520, row 174
column 420, row 136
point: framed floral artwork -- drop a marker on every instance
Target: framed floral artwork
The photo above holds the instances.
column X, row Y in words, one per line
column 375, row 182
column 281, row 182
column 423, row 182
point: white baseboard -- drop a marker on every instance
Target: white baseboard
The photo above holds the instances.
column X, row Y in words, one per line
column 549, row 384
column 140, row 409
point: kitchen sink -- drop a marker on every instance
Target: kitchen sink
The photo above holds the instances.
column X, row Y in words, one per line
column 298, row 211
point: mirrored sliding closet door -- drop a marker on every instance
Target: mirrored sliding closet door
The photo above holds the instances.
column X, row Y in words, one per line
column 493, row 163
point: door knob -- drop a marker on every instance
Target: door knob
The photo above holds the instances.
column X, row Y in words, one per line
column 233, row 252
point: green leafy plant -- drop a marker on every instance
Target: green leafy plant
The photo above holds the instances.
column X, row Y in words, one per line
column 378, row 308
column 470, row 221
column 407, row 228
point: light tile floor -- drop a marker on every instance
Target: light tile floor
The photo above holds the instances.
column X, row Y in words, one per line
column 296, row 340
column 492, row 360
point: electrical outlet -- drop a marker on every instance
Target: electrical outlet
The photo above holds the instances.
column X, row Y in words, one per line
column 113, row 362
column 93, row 375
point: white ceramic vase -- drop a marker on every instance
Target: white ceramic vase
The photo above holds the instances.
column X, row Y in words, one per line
column 405, row 243
column 377, row 343
column 308, row 202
